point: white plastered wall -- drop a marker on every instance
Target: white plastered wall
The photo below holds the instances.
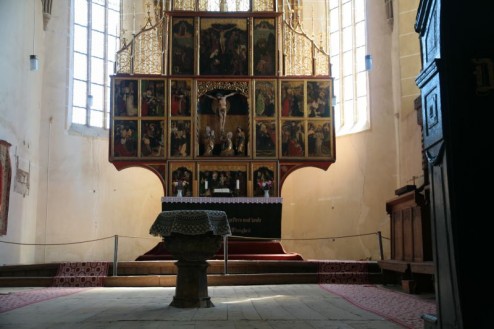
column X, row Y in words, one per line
column 77, row 195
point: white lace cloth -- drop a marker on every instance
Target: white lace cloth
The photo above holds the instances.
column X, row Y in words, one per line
column 206, row 200
column 191, row 222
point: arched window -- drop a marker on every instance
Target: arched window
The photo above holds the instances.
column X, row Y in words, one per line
column 347, row 32
column 96, row 28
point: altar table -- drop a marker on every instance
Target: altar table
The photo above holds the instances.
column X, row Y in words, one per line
column 192, row 236
column 256, row 217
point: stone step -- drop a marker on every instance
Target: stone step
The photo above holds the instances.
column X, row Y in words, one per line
column 236, row 272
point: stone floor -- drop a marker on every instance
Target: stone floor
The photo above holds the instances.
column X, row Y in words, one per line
column 240, row 307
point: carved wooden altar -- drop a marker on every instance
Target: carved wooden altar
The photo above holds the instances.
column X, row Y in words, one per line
column 227, row 101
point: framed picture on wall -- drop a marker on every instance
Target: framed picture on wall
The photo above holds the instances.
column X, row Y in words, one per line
column 180, row 97
column 126, row 97
column 182, row 52
column 5, row 181
column 264, row 46
column 152, row 98
column 292, row 98
column 125, row 138
column 152, row 138
column 224, row 46
column 319, row 99
column 293, row 138
column 180, row 138
column 182, row 177
column 265, row 98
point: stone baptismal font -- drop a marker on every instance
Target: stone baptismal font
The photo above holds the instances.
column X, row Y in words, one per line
column 192, row 237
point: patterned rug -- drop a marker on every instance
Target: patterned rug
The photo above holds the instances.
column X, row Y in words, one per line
column 347, row 272
column 13, row 300
column 81, row 274
column 399, row 307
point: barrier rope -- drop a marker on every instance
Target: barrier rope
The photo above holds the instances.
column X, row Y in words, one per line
column 231, row 236
column 225, row 241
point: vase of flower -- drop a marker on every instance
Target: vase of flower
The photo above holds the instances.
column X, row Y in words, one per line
column 265, row 186
column 179, row 187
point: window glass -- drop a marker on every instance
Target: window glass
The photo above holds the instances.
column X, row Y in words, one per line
column 97, row 70
column 348, row 88
column 359, row 10
column 96, row 119
column 79, row 97
column 334, row 47
column 360, row 59
column 93, row 63
column 347, row 63
column 112, row 48
column 347, row 38
column 80, row 39
column 334, row 21
column 98, row 17
column 360, row 34
column 80, row 66
column 79, row 115
column 98, row 97
column 113, row 23
column 346, row 16
column 348, row 49
column 98, row 44
column 80, row 12
column 361, row 84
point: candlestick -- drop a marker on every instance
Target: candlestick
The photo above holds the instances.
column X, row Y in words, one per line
column 238, row 184
column 206, row 185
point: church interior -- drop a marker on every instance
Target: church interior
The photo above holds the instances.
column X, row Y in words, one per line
column 373, row 188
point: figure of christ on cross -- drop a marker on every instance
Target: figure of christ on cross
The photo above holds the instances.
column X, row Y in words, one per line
column 222, row 107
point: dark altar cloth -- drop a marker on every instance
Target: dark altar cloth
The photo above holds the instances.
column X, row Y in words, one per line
column 256, row 217
column 190, row 222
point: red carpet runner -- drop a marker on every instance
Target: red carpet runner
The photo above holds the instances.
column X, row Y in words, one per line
column 18, row 299
column 81, row 274
column 395, row 306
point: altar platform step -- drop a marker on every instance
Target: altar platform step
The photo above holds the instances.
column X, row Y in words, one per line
column 238, row 272
column 237, row 250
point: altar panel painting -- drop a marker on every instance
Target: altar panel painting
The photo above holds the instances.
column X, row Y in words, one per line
column 180, row 138
column 182, row 58
column 293, row 138
column 319, row 140
column 318, row 99
column 264, row 46
column 223, row 46
column 126, row 97
column 265, row 136
column 180, row 97
column 152, row 98
column 125, row 138
column 152, row 138
column 292, row 98
column 181, row 177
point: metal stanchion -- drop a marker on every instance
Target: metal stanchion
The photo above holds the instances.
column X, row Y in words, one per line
column 380, row 238
column 225, row 254
column 115, row 256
